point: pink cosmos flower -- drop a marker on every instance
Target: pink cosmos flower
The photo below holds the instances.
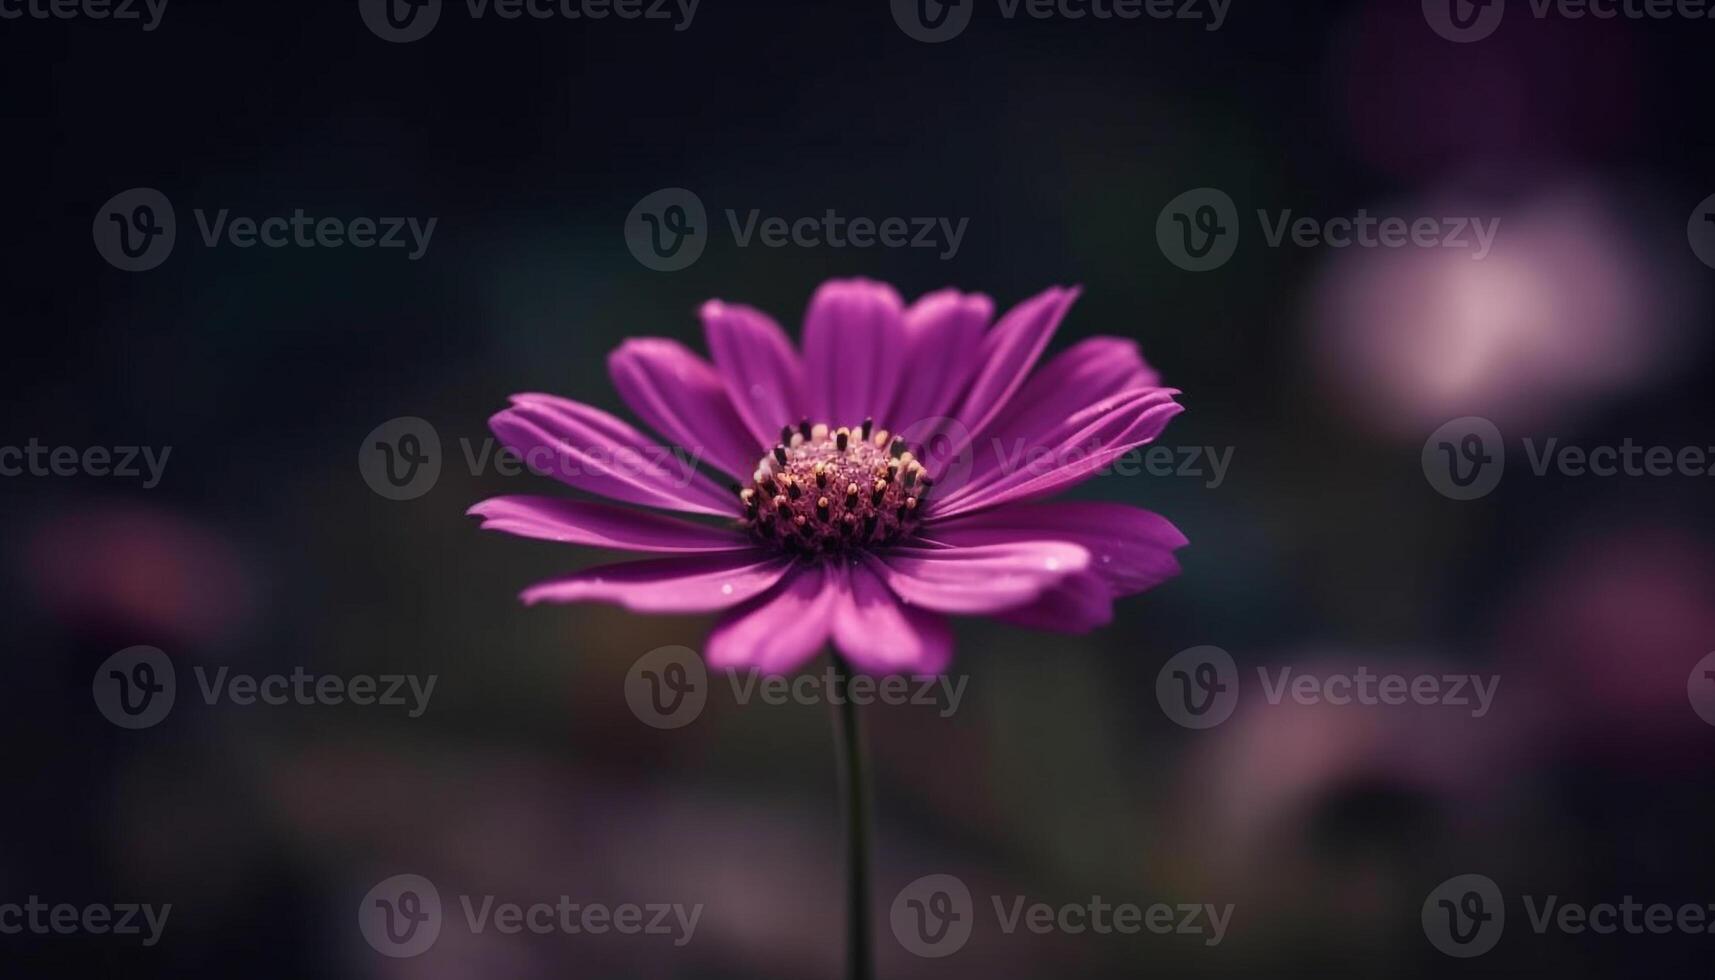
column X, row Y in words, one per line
column 889, row 475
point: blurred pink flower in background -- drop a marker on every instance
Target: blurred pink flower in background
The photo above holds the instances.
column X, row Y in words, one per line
column 1565, row 308
column 145, row 571
column 1603, row 639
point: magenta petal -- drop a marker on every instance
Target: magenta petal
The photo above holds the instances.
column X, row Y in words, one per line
column 1132, row 549
column 775, row 633
column 695, row 583
column 979, row 580
column 762, row 372
column 880, row 635
column 589, row 449
column 1079, row 604
column 943, row 331
column 602, row 525
column 682, row 397
column 1103, row 433
column 1007, row 354
column 1080, row 377
column 854, row 334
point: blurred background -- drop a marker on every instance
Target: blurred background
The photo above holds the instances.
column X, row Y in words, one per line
column 1324, row 548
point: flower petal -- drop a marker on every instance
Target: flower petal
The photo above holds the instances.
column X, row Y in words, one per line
column 589, row 449
column 602, row 525
column 979, row 580
column 763, row 375
column 777, row 632
column 1079, row 604
column 943, row 331
column 854, row 342
column 682, row 397
column 1007, row 354
column 1092, row 439
column 693, row 583
column 880, row 635
column 1081, row 376
column 1132, row 549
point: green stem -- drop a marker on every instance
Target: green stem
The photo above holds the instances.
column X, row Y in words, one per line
column 855, row 780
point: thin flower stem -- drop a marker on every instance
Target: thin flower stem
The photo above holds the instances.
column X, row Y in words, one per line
column 855, row 775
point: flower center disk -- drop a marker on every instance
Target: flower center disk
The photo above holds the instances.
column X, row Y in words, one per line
column 823, row 490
